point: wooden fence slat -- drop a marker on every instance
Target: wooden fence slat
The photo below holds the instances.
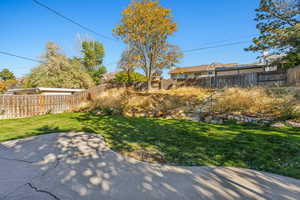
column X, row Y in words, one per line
column 18, row 106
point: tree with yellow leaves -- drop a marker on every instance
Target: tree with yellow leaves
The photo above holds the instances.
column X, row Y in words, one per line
column 2, row 87
column 145, row 28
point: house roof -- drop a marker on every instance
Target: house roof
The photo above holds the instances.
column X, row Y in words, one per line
column 45, row 90
column 109, row 76
column 200, row 68
column 239, row 67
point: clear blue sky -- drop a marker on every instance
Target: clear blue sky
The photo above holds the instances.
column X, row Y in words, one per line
column 26, row 27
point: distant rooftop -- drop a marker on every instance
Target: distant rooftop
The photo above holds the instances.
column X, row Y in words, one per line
column 212, row 67
column 42, row 90
column 239, row 67
column 109, row 76
column 200, row 68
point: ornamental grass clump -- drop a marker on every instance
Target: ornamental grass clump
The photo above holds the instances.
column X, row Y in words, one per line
column 111, row 101
column 162, row 102
column 255, row 101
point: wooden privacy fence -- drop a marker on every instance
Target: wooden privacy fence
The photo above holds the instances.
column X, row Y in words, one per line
column 278, row 78
column 293, row 76
column 17, row 106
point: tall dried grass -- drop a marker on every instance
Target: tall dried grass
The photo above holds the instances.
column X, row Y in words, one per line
column 252, row 101
column 255, row 101
column 188, row 92
column 164, row 101
column 123, row 100
column 112, row 99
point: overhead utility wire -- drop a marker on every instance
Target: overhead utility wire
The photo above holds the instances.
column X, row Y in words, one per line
column 216, row 46
column 72, row 21
column 225, row 41
column 204, row 48
column 21, row 57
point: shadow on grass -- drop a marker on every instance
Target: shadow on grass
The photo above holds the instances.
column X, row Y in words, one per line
column 178, row 142
column 80, row 164
column 192, row 143
column 45, row 129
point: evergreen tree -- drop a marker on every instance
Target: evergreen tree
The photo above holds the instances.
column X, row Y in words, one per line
column 93, row 54
column 279, row 26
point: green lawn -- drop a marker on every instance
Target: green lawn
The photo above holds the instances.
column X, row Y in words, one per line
column 181, row 142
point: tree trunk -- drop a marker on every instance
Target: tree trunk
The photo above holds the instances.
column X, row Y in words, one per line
column 129, row 77
column 149, row 84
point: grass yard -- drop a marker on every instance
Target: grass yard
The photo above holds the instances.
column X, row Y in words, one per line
column 180, row 142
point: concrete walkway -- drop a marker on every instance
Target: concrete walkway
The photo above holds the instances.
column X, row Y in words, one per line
column 73, row 166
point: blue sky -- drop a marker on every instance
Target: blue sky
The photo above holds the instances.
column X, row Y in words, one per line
column 26, row 27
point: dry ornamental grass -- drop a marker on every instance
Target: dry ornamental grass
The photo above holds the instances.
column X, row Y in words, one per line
column 256, row 101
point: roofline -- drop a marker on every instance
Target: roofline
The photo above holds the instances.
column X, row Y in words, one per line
column 238, row 67
column 22, row 89
column 190, row 70
column 243, row 66
column 41, row 89
column 61, row 89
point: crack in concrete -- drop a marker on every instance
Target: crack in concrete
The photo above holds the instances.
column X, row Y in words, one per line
column 32, row 179
column 43, row 191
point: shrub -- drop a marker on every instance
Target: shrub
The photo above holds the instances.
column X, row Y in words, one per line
column 191, row 95
column 258, row 102
column 288, row 110
column 255, row 101
column 163, row 102
column 82, row 107
column 122, row 77
column 7, row 84
column 111, row 100
column 2, row 87
column 58, row 71
column 126, row 101
column 150, row 103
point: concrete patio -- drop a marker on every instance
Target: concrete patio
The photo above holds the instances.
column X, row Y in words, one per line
column 77, row 166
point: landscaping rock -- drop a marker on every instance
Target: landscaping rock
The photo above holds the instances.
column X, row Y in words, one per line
column 293, row 124
column 278, row 125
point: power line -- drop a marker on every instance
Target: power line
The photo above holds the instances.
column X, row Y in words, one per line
column 72, row 21
column 208, row 47
column 21, row 57
column 224, row 41
column 217, row 46
column 110, row 38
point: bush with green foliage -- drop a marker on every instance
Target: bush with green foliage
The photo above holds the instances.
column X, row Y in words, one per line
column 2, row 87
column 5, row 75
column 97, row 75
column 93, row 54
column 256, row 101
column 279, row 27
column 188, row 143
column 7, row 80
column 124, row 77
column 58, row 71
